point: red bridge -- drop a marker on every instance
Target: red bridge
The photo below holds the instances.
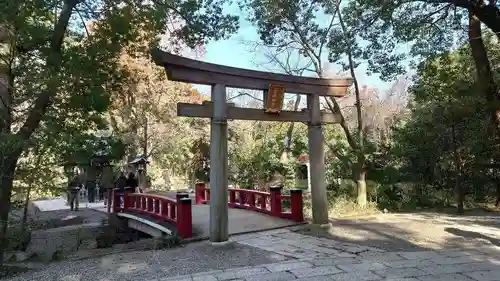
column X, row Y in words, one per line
column 157, row 214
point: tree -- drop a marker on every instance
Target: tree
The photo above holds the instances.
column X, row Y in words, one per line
column 445, row 143
column 295, row 25
column 430, row 27
column 143, row 107
column 52, row 67
column 143, row 115
column 284, row 60
column 484, row 74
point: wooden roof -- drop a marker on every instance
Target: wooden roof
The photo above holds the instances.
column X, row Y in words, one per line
column 193, row 71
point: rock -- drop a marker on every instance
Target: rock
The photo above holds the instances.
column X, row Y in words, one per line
column 16, row 256
column 58, row 222
column 88, row 244
column 57, row 242
column 22, row 256
column 18, row 239
column 8, row 256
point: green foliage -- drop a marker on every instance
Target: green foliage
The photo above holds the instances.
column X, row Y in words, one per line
column 446, row 141
column 255, row 156
column 76, row 64
column 429, row 27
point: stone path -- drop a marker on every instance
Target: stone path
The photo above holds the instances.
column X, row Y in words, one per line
column 60, row 204
column 239, row 221
column 281, row 255
column 295, row 245
column 322, row 259
column 418, row 230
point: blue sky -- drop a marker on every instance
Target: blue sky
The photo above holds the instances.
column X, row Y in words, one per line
column 232, row 52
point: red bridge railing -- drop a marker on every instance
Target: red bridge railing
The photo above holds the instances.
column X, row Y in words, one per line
column 270, row 203
column 176, row 211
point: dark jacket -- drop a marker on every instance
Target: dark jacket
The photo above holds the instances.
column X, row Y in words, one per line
column 74, row 185
column 121, row 183
column 132, row 182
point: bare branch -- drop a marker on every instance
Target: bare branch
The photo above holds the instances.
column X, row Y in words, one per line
column 339, row 154
column 245, row 94
column 335, row 108
column 83, row 22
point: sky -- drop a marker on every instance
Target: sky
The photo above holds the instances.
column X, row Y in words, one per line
column 232, row 52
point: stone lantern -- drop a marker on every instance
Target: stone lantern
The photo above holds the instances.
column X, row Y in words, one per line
column 139, row 163
column 69, row 168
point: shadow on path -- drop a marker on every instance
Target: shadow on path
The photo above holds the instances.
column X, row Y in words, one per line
column 413, row 232
column 472, row 234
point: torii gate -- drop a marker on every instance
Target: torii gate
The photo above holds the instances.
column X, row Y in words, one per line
column 274, row 85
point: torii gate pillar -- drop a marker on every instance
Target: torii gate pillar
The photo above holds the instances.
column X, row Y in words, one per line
column 317, row 163
column 218, row 166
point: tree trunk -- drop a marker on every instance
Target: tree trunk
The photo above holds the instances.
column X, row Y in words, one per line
column 5, row 87
column 7, row 163
column 459, row 192
column 24, row 221
column 6, row 183
column 484, row 73
column 16, row 143
column 145, row 135
column 289, row 132
column 487, row 14
column 360, row 176
column 497, row 193
column 359, row 148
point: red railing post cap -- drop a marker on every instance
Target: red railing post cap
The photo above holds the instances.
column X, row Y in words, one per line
column 276, row 186
column 185, row 200
column 180, row 195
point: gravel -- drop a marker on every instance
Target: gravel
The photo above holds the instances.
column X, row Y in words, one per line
column 153, row 265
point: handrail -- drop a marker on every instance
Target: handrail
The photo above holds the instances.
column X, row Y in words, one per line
column 249, row 191
column 153, row 196
column 270, row 203
column 158, row 207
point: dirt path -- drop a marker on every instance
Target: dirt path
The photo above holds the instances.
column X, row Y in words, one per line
column 417, row 231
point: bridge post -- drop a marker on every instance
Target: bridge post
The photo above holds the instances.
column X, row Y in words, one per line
column 199, row 192
column 296, row 202
column 317, row 162
column 126, row 201
column 184, row 217
column 218, row 166
column 275, row 200
column 180, row 195
column 116, row 202
column 232, row 197
column 111, row 196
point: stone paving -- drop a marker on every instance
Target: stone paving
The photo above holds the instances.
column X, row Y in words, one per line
column 295, row 245
column 322, row 259
column 281, row 255
column 55, row 204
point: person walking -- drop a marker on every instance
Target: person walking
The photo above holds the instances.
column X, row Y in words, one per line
column 74, row 187
column 121, row 182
